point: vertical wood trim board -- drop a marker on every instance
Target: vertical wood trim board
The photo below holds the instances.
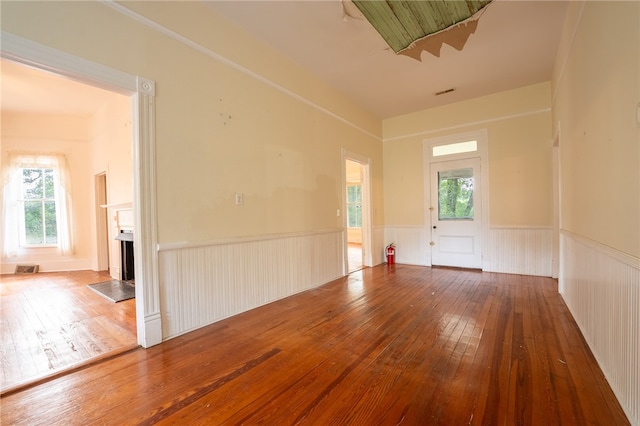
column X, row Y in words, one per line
column 526, row 251
column 602, row 290
column 378, row 245
column 201, row 285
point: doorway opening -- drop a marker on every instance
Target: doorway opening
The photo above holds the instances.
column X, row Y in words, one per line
column 141, row 94
column 354, row 215
column 102, row 223
column 357, row 212
column 80, row 326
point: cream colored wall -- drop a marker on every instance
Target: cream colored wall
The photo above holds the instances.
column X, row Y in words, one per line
column 597, row 88
column 519, row 133
column 218, row 130
column 35, row 133
column 596, row 85
column 111, row 145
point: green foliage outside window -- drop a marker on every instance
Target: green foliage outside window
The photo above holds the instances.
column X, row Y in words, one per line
column 455, row 191
column 354, row 206
column 39, row 206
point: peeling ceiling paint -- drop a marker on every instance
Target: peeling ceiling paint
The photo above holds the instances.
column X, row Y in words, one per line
column 410, row 26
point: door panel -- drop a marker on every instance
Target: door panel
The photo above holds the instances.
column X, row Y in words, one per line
column 456, row 213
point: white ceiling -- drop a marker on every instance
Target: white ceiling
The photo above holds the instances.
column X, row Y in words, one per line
column 27, row 90
column 514, row 46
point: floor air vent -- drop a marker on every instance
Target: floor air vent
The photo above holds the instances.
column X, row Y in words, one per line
column 26, row 269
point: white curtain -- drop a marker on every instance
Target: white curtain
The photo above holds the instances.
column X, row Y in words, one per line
column 11, row 189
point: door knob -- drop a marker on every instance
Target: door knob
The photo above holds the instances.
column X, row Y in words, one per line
column 434, row 227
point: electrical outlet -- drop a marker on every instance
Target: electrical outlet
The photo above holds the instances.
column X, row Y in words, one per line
column 239, row 198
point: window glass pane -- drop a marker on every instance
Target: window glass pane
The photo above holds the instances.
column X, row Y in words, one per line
column 455, row 195
column 51, row 230
column 33, row 222
column 354, row 217
column 38, row 202
column 32, row 183
column 353, row 193
column 354, row 205
column 455, row 148
column 49, row 188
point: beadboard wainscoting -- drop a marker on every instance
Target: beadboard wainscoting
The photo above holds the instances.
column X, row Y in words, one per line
column 412, row 244
column 519, row 250
column 525, row 251
column 601, row 287
column 203, row 283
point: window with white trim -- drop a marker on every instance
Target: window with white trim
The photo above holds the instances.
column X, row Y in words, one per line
column 38, row 207
column 354, row 206
column 36, row 204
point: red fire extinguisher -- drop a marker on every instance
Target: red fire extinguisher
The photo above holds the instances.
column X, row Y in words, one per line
column 391, row 254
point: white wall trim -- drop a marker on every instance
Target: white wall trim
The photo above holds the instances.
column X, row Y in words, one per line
column 601, row 287
column 230, row 63
column 145, row 216
column 48, row 265
column 469, row 124
column 520, row 227
column 613, row 253
column 145, row 219
column 34, row 54
column 240, row 240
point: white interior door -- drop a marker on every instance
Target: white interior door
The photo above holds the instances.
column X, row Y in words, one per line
column 456, row 213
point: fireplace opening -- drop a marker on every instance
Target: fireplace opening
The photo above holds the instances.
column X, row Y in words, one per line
column 127, row 272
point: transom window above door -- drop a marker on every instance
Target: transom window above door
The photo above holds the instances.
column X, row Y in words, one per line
column 454, row 148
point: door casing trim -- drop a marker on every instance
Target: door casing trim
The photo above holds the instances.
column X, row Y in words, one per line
column 142, row 94
column 482, row 137
column 367, row 220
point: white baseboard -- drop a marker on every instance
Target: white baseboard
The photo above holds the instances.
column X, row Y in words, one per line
column 49, row 265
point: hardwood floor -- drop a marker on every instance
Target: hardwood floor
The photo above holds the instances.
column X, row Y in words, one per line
column 385, row 346
column 354, row 251
column 52, row 322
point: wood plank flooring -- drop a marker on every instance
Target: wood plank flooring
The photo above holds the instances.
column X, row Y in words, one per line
column 385, row 346
column 354, row 251
column 52, row 321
